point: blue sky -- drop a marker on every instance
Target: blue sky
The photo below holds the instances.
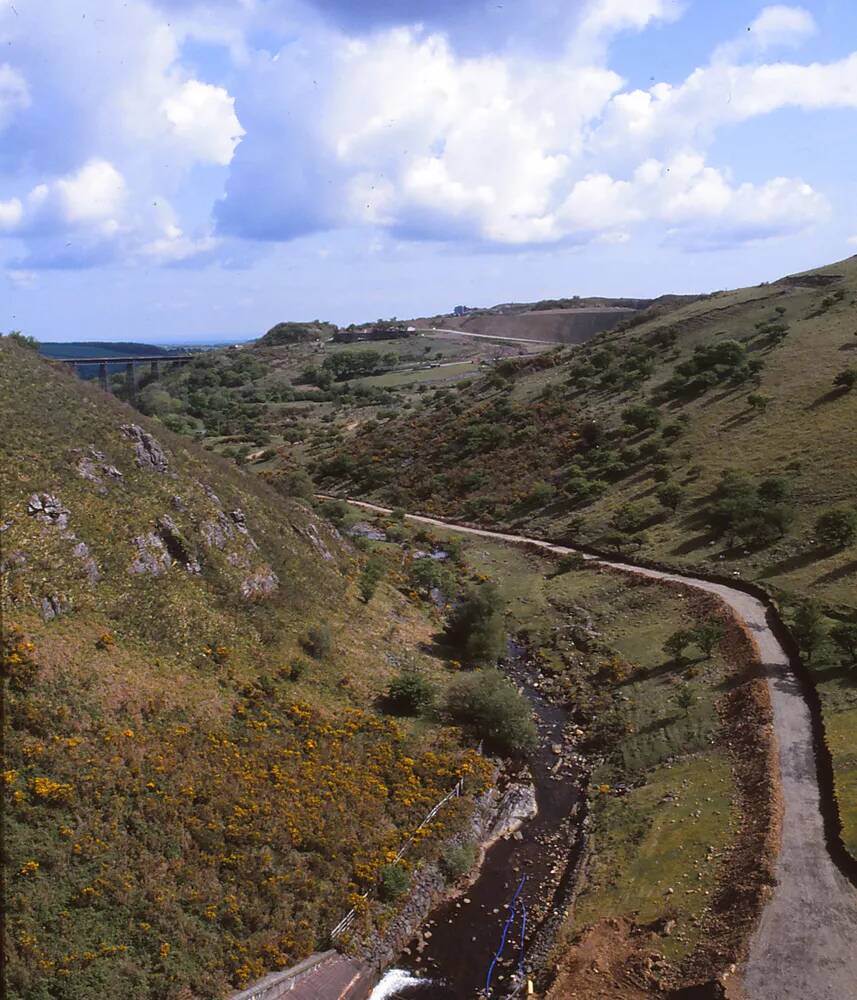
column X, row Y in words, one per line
column 180, row 170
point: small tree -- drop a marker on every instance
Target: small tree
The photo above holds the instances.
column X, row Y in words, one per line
column 708, row 635
column 493, row 708
column 846, row 379
column 678, row 642
column 685, row 698
column 809, row 627
column 759, row 401
column 319, row 641
column 837, row 528
column 370, row 576
column 641, row 417
column 476, row 627
column 670, row 495
column 458, row 859
column 845, row 637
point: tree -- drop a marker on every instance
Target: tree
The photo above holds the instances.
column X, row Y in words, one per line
column 809, row 627
column 845, row 637
column 492, row 707
column 685, row 698
column 370, row 576
column 708, row 635
column 476, row 627
column 641, row 417
column 676, row 644
column 670, row 495
column 837, row 528
column 846, row 379
column 630, row 517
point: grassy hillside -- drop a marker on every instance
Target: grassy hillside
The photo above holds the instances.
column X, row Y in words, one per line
column 579, row 444
column 196, row 782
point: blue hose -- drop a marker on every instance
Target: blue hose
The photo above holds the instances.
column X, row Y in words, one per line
column 513, row 907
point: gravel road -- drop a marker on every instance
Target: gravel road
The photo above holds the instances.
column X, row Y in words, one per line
column 805, row 947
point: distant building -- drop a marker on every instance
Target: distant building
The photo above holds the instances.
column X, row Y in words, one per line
column 462, row 310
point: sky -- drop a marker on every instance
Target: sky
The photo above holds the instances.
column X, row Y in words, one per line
column 177, row 170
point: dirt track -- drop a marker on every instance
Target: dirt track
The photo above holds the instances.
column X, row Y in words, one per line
column 805, row 947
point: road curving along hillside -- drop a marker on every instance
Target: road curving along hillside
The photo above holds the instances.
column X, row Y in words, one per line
column 805, row 947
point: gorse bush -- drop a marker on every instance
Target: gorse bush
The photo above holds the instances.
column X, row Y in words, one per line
column 490, row 706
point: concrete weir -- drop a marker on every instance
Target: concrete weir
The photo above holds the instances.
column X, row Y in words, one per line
column 326, row 975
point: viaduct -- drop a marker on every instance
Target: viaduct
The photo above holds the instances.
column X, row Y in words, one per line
column 129, row 362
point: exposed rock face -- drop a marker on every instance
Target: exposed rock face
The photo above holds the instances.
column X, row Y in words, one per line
column 150, row 454
column 52, row 607
column 177, row 545
column 151, row 556
column 93, row 466
column 48, row 509
column 315, row 539
column 517, row 806
column 90, row 567
column 217, row 531
column 260, row 584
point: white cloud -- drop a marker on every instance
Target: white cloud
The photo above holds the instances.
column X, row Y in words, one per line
column 91, row 198
column 14, row 94
column 203, row 117
column 11, row 213
column 781, row 25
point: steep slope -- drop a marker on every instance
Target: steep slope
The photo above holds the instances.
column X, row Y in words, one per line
column 563, row 443
column 195, row 787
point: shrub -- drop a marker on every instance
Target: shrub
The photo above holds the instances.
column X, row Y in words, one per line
column 393, row 880
column 846, row 379
column 678, row 642
column 491, row 706
column 629, row 518
column 809, row 628
column 476, row 626
column 759, row 401
column 297, row 668
column 458, row 859
column 837, row 528
column 319, row 641
column 670, row 495
column 410, row 693
column 708, row 635
column 641, row 417
column 370, row 576
column 845, row 637
column 570, row 561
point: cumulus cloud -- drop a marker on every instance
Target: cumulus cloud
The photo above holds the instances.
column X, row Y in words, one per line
column 332, row 118
column 203, row 117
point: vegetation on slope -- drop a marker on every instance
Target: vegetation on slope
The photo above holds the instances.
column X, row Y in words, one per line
column 196, row 787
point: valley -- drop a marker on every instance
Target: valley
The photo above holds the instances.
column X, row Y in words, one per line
column 253, row 624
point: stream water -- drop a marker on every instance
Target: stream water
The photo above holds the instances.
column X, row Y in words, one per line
column 449, row 959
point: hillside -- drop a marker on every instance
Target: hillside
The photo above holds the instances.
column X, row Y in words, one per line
column 600, row 444
column 197, row 783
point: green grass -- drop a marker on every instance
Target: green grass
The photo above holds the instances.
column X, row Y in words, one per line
column 665, row 835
